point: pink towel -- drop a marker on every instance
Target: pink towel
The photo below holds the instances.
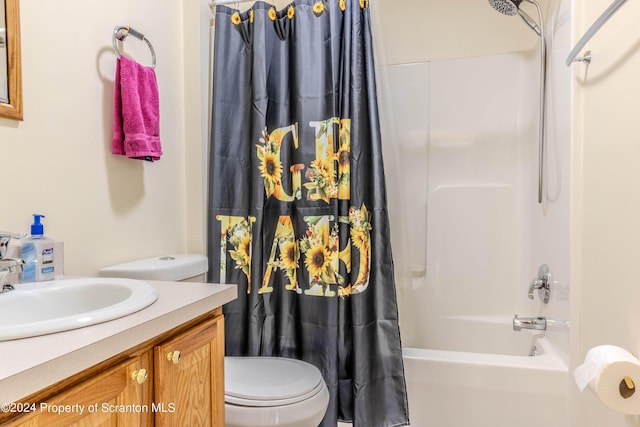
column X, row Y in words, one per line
column 136, row 112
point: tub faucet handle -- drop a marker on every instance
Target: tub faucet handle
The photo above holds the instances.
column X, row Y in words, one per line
column 542, row 284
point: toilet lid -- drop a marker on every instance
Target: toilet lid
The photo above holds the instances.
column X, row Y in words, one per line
column 269, row 381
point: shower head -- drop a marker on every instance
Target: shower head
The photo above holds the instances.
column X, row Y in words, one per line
column 512, row 8
column 507, row 7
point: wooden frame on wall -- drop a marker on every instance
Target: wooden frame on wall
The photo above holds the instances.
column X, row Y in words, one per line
column 13, row 109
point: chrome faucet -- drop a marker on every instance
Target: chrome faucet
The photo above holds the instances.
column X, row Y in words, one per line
column 8, row 265
column 6, row 288
column 12, row 265
column 538, row 323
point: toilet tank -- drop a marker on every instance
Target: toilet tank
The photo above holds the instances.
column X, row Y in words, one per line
column 171, row 268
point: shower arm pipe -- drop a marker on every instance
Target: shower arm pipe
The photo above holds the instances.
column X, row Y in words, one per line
column 595, row 27
column 529, row 21
column 542, row 126
column 542, row 108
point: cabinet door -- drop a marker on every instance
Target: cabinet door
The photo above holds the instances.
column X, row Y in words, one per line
column 189, row 377
column 118, row 397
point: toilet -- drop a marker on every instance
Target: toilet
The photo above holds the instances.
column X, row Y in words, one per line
column 273, row 391
column 259, row 391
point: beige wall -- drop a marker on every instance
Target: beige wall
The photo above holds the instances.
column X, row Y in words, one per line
column 446, row 29
column 57, row 161
column 607, row 205
column 108, row 209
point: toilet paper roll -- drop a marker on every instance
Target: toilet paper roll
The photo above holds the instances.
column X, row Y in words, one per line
column 612, row 374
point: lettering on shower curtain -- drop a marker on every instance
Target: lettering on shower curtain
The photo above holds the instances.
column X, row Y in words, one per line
column 316, row 249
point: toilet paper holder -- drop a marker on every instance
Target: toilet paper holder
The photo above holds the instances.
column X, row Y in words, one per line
column 612, row 374
column 627, row 387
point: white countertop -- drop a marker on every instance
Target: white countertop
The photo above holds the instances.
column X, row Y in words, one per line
column 31, row 364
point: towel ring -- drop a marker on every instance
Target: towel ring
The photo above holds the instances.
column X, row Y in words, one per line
column 121, row 32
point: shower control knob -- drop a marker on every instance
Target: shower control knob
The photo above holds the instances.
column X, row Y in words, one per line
column 542, row 284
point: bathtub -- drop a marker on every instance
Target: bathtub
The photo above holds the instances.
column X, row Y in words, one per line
column 481, row 375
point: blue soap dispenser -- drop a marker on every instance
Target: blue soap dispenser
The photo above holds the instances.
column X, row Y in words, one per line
column 37, row 254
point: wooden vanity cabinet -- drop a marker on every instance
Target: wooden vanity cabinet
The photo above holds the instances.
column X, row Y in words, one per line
column 189, row 373
column 176, row 380
column 98, row 401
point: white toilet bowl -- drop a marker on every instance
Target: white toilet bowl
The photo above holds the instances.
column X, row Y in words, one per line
column 259, row 391
column 272, row 391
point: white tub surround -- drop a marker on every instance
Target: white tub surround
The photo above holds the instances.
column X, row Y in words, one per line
column 32, row 364
column 461, row 155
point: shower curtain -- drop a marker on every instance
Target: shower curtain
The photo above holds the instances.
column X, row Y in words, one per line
column 297, row 202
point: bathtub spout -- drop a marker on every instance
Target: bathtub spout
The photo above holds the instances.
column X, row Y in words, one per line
column 538, row 323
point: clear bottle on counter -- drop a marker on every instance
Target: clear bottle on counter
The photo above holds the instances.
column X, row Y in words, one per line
column 36, row 251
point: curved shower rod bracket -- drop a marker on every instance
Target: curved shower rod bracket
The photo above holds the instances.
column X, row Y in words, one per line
column 585, row 59
column 590, row 33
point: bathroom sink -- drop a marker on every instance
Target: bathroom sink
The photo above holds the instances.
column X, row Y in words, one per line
column 46, row 307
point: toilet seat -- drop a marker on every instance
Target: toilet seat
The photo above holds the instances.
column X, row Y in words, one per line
column 270, row 381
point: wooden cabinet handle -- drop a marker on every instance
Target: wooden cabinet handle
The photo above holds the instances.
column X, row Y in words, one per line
column 139, row 375
column 173, row 356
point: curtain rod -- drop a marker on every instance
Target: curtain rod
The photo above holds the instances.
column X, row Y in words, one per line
column 592, row 30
